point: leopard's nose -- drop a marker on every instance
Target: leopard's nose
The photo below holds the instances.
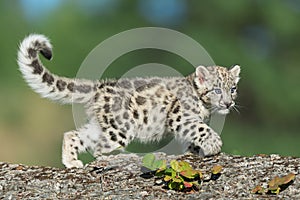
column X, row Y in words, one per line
column 228, row 104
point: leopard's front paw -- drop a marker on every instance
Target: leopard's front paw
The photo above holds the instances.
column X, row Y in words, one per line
column 206, row 144
column 73, row 163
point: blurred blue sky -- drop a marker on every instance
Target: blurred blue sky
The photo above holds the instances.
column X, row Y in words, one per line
column 167, row 12
column 35, row 9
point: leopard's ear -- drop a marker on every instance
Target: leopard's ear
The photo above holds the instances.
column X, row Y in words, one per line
column 202, row 74
column 235, row 72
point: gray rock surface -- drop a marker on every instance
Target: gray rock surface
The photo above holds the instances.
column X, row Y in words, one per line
column 119, row 177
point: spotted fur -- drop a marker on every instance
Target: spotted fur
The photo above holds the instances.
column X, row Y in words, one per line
column 142, row 108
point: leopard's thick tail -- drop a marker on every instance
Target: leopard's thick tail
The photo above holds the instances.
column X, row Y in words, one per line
column 42, row 81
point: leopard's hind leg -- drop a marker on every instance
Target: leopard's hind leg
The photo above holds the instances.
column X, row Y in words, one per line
column 72, row 145
column 81, row 140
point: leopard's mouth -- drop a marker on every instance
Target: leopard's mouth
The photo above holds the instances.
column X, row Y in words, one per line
column 224, row 111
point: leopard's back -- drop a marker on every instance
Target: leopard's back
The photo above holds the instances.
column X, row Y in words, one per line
column 141, row 110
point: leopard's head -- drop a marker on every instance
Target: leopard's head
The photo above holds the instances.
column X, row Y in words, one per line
column 217, row 87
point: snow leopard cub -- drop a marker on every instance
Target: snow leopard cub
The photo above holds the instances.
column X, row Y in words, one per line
column 143, row 108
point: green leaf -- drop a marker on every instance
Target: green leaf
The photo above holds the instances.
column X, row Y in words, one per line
column 274, row 183
column 169, row 171
column 196, row 183
column 167, row 178
column 185, row 165
column 160, row 164
column 176, row 179
column 148, row 160
column 175, row 165
column 286, row 179
column 151, row 163
column 189, row 173
column 216, row 169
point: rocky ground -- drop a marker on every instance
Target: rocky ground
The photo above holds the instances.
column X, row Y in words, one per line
column 119, row 177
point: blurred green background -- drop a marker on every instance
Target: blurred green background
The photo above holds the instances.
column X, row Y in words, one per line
column 261, row 36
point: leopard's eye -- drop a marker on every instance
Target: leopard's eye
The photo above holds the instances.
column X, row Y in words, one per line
column 218, row 91
column 233, row 89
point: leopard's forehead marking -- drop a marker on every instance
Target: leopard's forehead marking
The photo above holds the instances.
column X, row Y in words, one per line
column 222, row 77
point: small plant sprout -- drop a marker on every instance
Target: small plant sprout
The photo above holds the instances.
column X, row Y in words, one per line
column 179, row 175
column 275, row 185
